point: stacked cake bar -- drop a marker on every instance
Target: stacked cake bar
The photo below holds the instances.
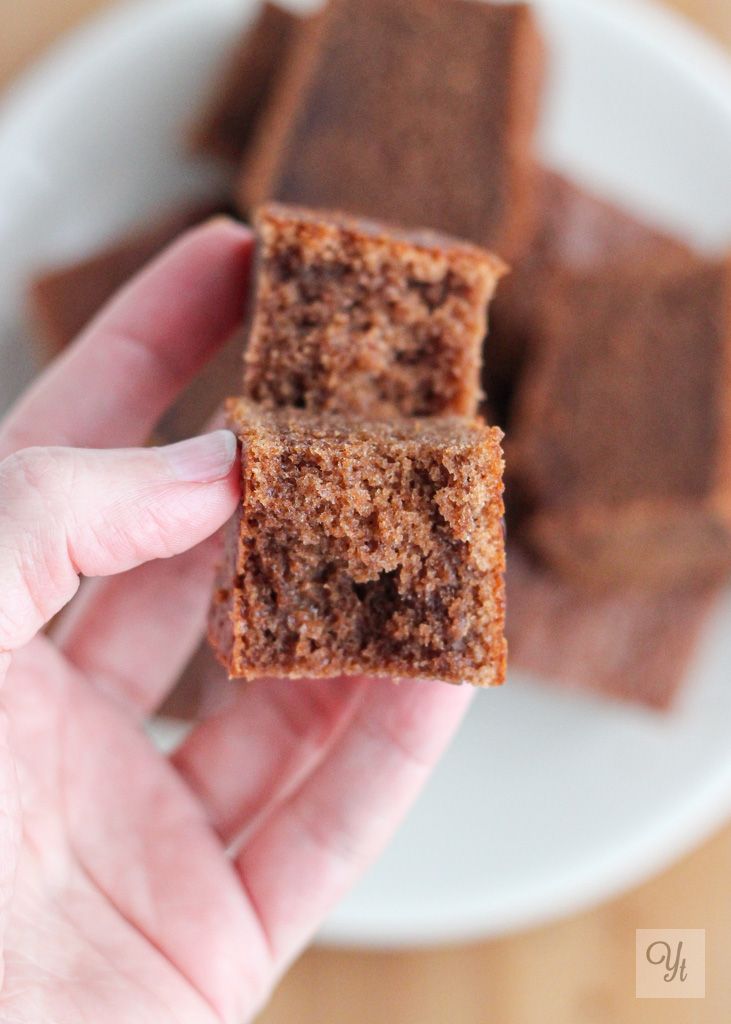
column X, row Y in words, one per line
column 369, row 538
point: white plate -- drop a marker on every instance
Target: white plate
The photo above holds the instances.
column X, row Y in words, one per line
column 547, row 802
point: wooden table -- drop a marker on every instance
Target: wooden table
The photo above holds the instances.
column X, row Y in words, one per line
column 578, row 971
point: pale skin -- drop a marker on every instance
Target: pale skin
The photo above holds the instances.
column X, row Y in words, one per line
column 136, row 887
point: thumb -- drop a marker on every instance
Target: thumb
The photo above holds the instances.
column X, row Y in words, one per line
column 66, row 511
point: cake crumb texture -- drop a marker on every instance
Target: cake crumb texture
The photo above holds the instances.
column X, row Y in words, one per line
column 353, row 317
column 364, row 548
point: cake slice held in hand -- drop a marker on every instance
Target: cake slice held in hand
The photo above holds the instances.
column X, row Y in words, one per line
column 361, row 547
column 355, row 317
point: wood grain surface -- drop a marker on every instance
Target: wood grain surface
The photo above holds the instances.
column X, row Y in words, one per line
column 576, row 971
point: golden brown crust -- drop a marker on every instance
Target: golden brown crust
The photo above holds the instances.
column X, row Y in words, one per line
column 654, row 544
column 326, row 227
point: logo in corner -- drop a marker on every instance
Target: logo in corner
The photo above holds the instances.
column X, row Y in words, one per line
column 671, row 963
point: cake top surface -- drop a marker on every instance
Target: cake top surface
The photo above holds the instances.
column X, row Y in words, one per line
column 300, row 428
column 413, row 111
column 322, row 228
column 583, row 232
column 626, row 397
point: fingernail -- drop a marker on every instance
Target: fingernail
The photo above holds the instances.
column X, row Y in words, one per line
column 202, row 459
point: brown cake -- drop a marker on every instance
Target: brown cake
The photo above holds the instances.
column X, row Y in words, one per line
column 205, row 394
column 621, row 435
column 363, row 547
column 632, row 644
column 577, row 231
column 352, row 317
column 416, row 112
column 582, row 232
column 202, row 690
column 244, row 83
column 64, row 300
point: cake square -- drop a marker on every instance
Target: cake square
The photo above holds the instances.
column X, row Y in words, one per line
column 620, row 445
column 576, row 231
column 64, row 299
column 244, row 83
column 416, row 112
column 583, row 232
column 630, row 644
column 360, row 547
column 353, row 317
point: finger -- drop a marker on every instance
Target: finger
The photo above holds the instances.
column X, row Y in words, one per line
column 132, row 832
column 243, row 761
column 110, row 387
column 320, row 841
column 133, row 634
column 69, row 511
column 319, row 772
column 125, row 632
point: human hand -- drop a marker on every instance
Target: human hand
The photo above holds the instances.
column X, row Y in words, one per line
column 134, row 886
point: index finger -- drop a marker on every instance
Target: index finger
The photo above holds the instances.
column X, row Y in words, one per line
column 112, row 384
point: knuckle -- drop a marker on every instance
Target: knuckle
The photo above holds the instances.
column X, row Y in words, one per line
column 36, row 575
column 30, row 474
